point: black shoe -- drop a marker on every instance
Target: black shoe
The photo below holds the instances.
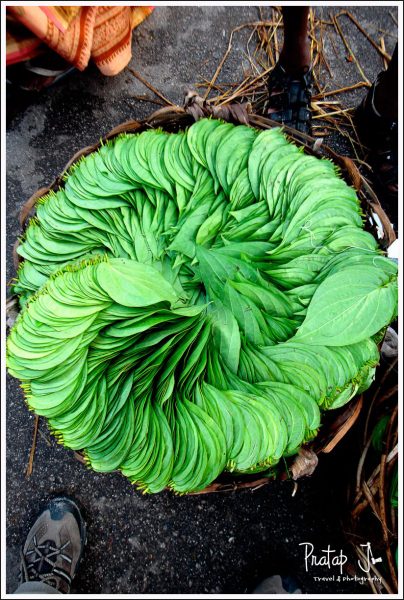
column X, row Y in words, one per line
column 289, row 98
column 380, row 135
column 54, row 545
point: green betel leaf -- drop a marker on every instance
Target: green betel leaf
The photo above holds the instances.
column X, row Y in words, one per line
column 134, row 284
column 349, row 306
column 226, row 335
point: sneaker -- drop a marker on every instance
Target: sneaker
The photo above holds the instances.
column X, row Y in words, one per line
column 54, row 545
column 289, row 98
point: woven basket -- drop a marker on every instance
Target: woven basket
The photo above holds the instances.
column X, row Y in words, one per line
column 336, row 423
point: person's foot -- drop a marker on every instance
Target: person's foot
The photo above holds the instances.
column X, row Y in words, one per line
column 289, row 97
column 38, row 73
column 378, row 131
column 54, row 545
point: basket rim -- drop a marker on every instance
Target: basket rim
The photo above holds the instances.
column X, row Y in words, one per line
column 182, row 117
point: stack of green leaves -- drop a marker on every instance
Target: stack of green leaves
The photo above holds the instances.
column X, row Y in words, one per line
column 193, row 301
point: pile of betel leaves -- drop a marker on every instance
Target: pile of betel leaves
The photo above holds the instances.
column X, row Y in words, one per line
column 192, row 302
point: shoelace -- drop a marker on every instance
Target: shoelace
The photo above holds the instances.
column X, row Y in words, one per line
column 49, row 554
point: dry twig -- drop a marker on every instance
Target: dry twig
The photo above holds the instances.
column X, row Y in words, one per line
column 350, row 16
column 361, row 554
column 383, row 47
column 254, row 24
column 30, row 465
column 373, row 483
column 382, row 504
column 275, row 34
column 342, row 90
column 348, row 47
column 390, row 368
column 393, row 17
column 150, row 86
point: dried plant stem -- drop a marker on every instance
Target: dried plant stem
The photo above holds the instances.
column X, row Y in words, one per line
column 323, row 57
column 360, row 507
column 350, row 16
column 315, row 76
column 248, row 55
column 263, row 35
column 325, row 102
column 149, row 85
column 382, row 503
column 311, row 35
column 226, row 487
column 352, row 413
column 264, row 65
column 372, row 585
column 221, row 88
column 373, row 480
column 383, row 47
column 274, row 36
column 371, row 501
column 233, row 92
column 348, row 47
column 344, row 89
column 46, row 439
column 375, row 395
column 393, row 390
column 238, row 92
column 361, row 554
column 269, row 38
column 325, row 115
column 30, row 465
column 393, row 17
column 354, row 142
column 260, row 13
column 229, row 47
column 360, row 465
column 393, row 520
column 388, row 33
